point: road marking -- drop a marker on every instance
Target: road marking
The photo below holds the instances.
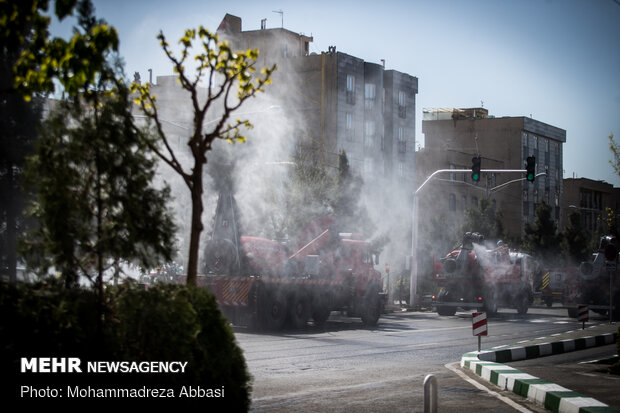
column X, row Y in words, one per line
column 509, row 402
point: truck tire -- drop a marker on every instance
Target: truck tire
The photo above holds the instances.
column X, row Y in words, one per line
column 272, row 308
column 320, row 309
column 549, row 301
column 372, row 306
column 299, row 310
column 444, row 310
column 522, row 304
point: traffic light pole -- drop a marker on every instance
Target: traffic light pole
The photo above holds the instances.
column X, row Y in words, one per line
column 413, row 280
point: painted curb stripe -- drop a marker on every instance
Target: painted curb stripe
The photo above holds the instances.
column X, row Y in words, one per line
column 488, row 365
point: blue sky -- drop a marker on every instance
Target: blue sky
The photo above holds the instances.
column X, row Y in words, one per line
column 556, row 60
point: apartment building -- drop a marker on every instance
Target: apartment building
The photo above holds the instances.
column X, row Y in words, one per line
column 590, row 199
column 453, row 136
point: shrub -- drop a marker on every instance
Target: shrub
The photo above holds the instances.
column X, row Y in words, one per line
column 164, row 323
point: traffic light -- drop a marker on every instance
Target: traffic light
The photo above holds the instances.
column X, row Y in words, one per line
column 530, row 168
column 475, row 168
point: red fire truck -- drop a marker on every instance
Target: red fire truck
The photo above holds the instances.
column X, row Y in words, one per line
column 475, row 277
column 270, row 284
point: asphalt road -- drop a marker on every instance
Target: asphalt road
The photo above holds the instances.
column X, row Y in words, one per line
column 346, row 367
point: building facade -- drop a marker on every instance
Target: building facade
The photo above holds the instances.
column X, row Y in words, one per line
column 590, row 199
column 454, row 136
column 339, row 102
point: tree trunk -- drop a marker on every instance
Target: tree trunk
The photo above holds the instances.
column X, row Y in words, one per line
column 196, row 229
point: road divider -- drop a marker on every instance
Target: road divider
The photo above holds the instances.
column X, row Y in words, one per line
column 488, row 364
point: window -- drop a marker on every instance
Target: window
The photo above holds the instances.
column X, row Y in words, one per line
column 402, row 107
column 350, row 83
column 401, row 169
column 402, row 144
column 452, row 174
column 369, row 93
column 474, row 201
column 350, row 89
column 463, row 203
column 348, row 127
column 452, row 202
column 369, row 133
column 349, row 121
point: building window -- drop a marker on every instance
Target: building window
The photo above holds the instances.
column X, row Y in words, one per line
column 452, row 174
column 452, row 201
column 525, row 195
column 402, row 143
column 351, row 89
column 463, row 203
column 348, row 127
column 350, row 83
column 369, row 133
column 369, row 101
column 368, row 166
column 401, row 169
column 546, row 145
column 474, row 202
column 402, row 106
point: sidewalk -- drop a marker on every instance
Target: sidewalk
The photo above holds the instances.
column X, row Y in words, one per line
column 488, row 364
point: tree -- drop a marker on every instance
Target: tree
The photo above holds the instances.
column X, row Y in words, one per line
column 575, row 240
column 92, row 171
column 615, row 150
column 18, row 124
column 485, row 220
column 542, row 240
column 222, row 69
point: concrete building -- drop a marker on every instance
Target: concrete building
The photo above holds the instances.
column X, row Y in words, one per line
column 343, row 102
column 589, row 199
column 339, row 102
column 453, row 136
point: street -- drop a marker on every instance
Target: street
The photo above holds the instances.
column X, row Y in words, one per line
column 346, row 367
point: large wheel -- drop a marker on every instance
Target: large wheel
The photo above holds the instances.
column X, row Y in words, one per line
column 523, row 303
column 299, row 310
column 444, row 310
column 549, row 301
column 272, row 309
column 372, row 306
column 320, row 308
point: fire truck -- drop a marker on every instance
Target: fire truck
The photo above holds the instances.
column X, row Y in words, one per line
column 475, row 277
column 269, row 284
column 597, row 282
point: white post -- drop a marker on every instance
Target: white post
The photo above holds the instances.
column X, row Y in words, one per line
column 430, row 394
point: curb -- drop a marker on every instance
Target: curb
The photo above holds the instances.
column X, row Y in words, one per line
column 488, row 365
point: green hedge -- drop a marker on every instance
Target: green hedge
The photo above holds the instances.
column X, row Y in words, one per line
column 164, row 323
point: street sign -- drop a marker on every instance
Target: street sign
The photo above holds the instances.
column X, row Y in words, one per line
column 582, row 313
column 479, row 324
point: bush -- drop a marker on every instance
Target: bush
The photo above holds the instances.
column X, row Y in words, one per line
column 164, row 323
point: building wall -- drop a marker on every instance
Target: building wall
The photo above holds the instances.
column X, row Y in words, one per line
column 505, row 142
column 589, row 199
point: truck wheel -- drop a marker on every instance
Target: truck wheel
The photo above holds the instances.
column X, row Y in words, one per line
column 272, row 311
column 549, row 301
column 522, row 304
column 444, row 310
column 320, row 309
column 372, row 307
column 299, row 310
